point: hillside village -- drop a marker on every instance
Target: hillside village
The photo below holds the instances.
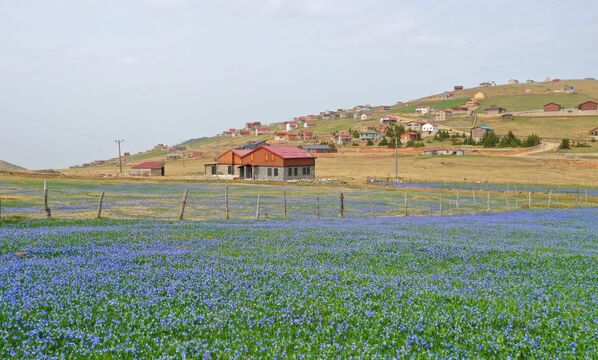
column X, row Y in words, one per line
column 491, row 119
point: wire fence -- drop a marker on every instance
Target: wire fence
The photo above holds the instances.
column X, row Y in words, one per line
column 205, row 201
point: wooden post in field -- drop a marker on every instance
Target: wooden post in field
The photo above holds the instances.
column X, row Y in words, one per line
column 318, row 207
column 549, row 197
column 342, row 205
column 440, row 205
column 431, row 213
column 488, row 200
column 457, row 201
column 285, row 204
column 529, row 200
column 100, row 202
column 406, row 213
column 257, row 207
column 226, row 202
column 473, row 197
column 0, row 206
column 586, row 197
column 371, row 207
column 183, row 204
column 516, row 200
column 46, row 207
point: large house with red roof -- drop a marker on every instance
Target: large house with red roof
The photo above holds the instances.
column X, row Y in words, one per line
column 275, row 163
column 148, row 168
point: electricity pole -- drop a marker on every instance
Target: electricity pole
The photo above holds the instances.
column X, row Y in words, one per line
column 120, row 159
column 396, row 158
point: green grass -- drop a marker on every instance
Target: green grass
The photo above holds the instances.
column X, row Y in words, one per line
column 532, row 101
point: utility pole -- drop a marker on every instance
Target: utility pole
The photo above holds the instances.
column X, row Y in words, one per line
column 120, row 159
column 396, row 158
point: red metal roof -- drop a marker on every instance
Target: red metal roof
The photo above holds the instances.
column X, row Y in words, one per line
column 241, row 152
column 149, row 165
column 288, row 152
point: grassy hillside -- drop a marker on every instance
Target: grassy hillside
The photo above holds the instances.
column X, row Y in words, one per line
column 6, row 166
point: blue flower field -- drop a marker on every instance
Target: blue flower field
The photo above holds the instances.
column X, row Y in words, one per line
column 518, row 284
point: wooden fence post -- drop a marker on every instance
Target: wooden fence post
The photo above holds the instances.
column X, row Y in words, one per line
column 529, row 200
column 440, row 205
column 257, row 207
column 285, row 204
column 183, row 204
column 473, row 196
column 371, row 207
column 586, row 197
column 431, row 213
column 46, row 207
column 318, row 207
column 406, row 202
column 516, row 200
column 457, row 201
column 100, row 202
column 488, row 200
column 226, row 201
column 342, row 205
column 0, row 206
column 549, row 197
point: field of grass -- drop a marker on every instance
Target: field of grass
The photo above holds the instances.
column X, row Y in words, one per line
column 514, row 285
column 77, row 199
column 533, row 101
column 548, row 127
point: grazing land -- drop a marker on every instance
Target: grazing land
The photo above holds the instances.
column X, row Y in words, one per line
column 520, row 284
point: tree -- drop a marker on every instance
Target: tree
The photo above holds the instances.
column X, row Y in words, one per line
column 469, row 141
column 531, row 140
column 370, row 143
column 383, row 142
column 510, row 140
column 489, row 140
column 565, row 144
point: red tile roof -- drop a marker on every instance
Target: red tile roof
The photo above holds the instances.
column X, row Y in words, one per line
column 149, row 165
column 241, row 152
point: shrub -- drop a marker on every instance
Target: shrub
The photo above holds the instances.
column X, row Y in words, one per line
column 565, row 144
column 531, row 140
column 370, row 143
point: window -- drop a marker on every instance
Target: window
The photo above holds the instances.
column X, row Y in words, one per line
column 230, row 170
column 295, row 171
column 308, row 170
column 304, row 170
column 269, row 171
column 290, row 171
column 266, row 157
column 275, row 171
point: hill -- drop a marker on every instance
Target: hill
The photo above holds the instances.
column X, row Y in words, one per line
column 6, row 166
column 516, row 98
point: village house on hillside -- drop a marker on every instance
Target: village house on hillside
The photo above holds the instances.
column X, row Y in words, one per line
column 457, row 87
column 588, row 106
column 422, row 109
column 594, row 133
column 477, row 133
column 342, row 138
column 371, row 135
column 365, row 116
column 429, row 128
column 261, row 130
column 309, row 124
column 408, row 136
column 290, row 125
column 479, row 96
column 276, row 163
column 388, row 120
column 506, row 116
column 318, row 149
column 552, row 107
column 253, row 125
column 414, row 125
column 443, row 115
column 149, row 168
column 494, row 110
column 251, row 145
column 447, row 95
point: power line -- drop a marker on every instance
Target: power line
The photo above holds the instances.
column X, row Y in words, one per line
column 53, row 126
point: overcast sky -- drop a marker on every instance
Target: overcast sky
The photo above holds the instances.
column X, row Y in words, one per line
column 77, row 74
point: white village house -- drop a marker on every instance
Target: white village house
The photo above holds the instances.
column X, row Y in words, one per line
column 429, row 128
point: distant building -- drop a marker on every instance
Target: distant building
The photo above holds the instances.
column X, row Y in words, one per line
column 568, row 89
column 594, row 133
column 252, row 125
column 290, row 125
column 309, row 124
column 422, row 109
column 443, row 115
column 318, row 149
column 477, row 133
column 494, row 110
column 365, row 116
column 414, row 125
column 252, row 145
column 261, row 130
column 369, row 135
column 342, row 138
column 507, row 116
column 429, row 128
column 149, row 168
column 479, row 96
column 388, row 120
column 588, row 106
column 552, row 107
column 458, row 87
column 384, row 108
column 408, row 135
column 513, row 81
column 280, row 136
column 447, row 95
column 437, row 152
